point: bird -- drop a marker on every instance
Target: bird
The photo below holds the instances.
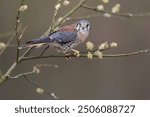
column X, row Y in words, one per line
column 65, row 38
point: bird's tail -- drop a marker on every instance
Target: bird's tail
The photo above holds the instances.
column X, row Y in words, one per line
column 25, row 46
column 35, row 42
column 39, row 40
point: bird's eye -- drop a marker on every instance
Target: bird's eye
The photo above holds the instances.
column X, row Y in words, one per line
column 87, row 25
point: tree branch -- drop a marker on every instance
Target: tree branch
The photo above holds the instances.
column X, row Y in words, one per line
column 125, row 15
column 16, row 31
column 54, row 16
column 127, row 54
column 36, row 84
column 22, row 74
column 84, row 55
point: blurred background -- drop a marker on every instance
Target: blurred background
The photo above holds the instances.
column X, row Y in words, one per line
column 81, row 78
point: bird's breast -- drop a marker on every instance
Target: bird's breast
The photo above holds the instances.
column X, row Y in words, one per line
column 82, row 36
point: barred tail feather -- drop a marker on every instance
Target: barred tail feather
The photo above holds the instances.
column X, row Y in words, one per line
column 36, row 42
column 39, row 40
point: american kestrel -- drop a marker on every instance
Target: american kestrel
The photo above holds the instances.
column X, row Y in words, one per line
column 65, row 38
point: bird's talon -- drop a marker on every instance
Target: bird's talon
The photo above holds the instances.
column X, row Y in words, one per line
column 76, row 52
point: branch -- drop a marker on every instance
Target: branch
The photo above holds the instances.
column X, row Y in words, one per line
column 125, row 15
column 22, row 74
column 54, row 16
column 84, row 17
column 6, row 75
column 14, row 65
column 127, row 54
column 84, row 55
column 36, row 70
column 16, row 31
column 36, row 84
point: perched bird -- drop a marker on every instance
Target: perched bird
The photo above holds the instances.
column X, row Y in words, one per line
column 65, row 38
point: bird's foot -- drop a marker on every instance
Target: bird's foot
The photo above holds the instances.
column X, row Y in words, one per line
column 76, row 52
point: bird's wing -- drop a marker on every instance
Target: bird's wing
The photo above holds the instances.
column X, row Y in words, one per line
column 63, row 37
column 57, row 37
column 70, row 28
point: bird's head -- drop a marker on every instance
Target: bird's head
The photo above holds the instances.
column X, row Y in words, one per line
column 83, row 26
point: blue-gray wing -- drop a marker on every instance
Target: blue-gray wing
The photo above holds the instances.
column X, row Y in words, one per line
column 57, row 37
column 63, row 37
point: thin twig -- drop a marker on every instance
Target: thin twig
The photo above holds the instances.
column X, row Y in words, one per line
column 22, row 74
column 84, row 17
column 126, row 15
column 16, row 31
column 36, row 70
column 54, row 16
column 127, row 54
column 24, row 29
column 31, row 81
column 85, row 55
column 36, row 84
column 14, row 65
column 4, row 78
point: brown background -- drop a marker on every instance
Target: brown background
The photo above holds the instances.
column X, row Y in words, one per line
column 80, row 78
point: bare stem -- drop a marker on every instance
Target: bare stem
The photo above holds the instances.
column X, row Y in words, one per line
column 16, row 31
column 84, row 55
column 126, row 15
column 36, row 84
column 22, row 74
column 54, row 16
column 83, row 17
column 6, row 75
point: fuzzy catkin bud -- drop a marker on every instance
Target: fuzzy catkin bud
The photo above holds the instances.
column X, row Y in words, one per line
column 90, row 55
column 39, row 90
column 89, row 45
column 66, row 2
column 113, row 44
column 100, row 7
column 105, row 1
column 116, row 8
column 2, row 45
column 23, row 8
